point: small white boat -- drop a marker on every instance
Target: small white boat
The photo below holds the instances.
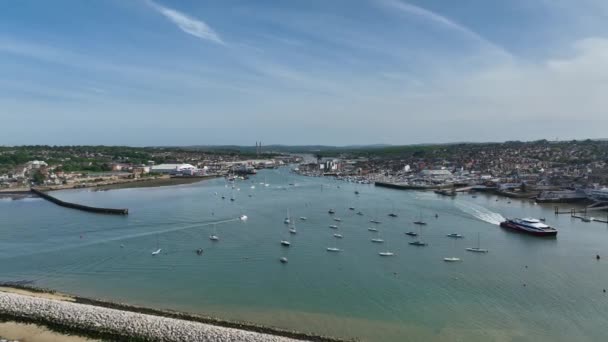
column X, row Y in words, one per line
column 157, row 251
column 338, row 236
column 386, row 253
column 293, row 230
column 285, row 243
column 303, row 218
column 286, row 220
column 333, row 249
column 375, row 221
column 451, row 259
column 359, row 213
column 337, row 219
column 253, row 186
column 243, row 218
column 283, row 260
column 213, row 237
column 377, row 240
column 372, row 229
column 333, row 226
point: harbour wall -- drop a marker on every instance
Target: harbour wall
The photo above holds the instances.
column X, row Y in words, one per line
column 80, row 206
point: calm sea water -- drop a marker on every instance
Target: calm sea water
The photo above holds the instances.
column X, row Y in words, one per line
column 524, row 289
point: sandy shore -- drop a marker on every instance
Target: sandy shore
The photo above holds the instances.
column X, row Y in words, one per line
column 24, row 332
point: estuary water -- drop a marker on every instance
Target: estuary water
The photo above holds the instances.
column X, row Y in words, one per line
column 525, row 289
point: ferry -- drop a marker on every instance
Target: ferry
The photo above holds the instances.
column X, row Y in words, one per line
column 530, row 226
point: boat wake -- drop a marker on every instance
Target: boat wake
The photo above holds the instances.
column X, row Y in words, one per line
column 480, row 212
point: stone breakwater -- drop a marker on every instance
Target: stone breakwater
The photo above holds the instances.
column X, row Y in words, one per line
column 117, row 323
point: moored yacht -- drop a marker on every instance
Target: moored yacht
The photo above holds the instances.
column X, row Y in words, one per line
column 530, row 226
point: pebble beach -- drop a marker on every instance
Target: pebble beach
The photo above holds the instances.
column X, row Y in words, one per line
column 118, row 323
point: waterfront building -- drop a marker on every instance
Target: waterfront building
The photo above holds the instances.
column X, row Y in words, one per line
column 173, row 168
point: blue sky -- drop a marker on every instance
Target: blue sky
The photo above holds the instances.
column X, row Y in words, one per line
column 301, row 72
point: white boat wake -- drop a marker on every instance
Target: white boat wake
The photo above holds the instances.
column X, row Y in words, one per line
column 480, row 212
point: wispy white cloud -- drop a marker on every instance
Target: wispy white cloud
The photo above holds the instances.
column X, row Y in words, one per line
column 192, row 26
column 439, row 19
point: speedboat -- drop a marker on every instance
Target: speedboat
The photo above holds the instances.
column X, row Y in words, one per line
column 386, row 253
column 243, row 217
column 333, row 226
column 377, row 240
column 455, row 236
column 411, row 233
column 418, row 243
column 213, row 238
column 156, row 251
column 529, row 226
column 285, row 243
column 283, row 260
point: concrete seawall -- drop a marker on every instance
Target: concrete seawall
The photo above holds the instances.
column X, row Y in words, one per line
column 80, row 206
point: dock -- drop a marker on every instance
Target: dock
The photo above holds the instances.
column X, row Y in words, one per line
column 76, row 206
column 576, row 214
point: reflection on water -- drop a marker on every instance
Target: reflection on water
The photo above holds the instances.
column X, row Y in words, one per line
column 355, row 293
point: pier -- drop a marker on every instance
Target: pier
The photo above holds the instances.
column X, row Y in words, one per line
column 573, row 213
column 80, row 206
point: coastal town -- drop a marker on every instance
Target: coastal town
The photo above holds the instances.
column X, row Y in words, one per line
column 546, row 171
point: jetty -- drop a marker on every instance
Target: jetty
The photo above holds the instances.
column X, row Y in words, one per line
column 77, row 206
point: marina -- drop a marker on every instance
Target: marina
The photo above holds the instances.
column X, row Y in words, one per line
column 322, row 283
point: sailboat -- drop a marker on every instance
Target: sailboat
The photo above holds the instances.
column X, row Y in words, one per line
column 372, row 229
column 392, row 213
column 285, row 242
column 477, row 249
column 359, row 213
column 420, row 222
column 287, row 219
column 283, row 260
column 335, row 249
column 337, row 219
column 338, row 236
column 387, row 253
column 292, row 228
column 333, row 226
column 157, row 251
column 377, row 240
column 374, row 220
column 213, row 237
column 303, row 218
column 451, row 259
column 455, row 236
column 418, row 242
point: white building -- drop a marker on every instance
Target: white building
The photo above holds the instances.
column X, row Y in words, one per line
column 173, row 168
column 436, row 174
